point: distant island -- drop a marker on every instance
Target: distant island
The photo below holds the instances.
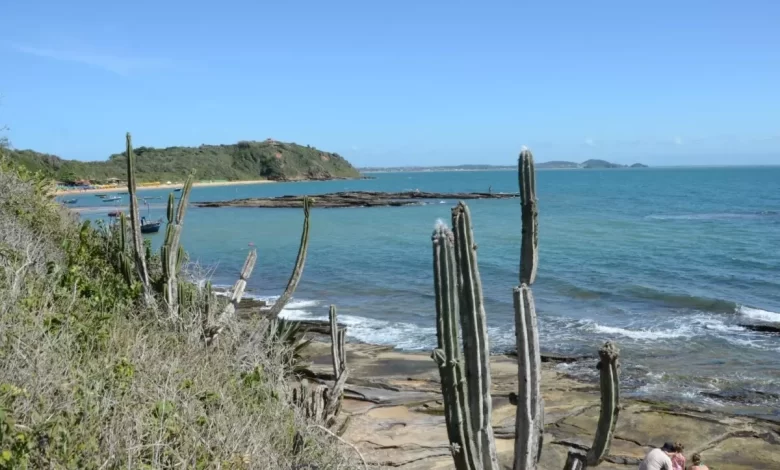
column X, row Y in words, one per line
column 245, row 160
column 556, row 164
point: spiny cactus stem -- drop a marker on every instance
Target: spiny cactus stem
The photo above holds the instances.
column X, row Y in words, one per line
column 337, row 343
column 340, row 371
column 475, row 338
column 172, row 255
column 300, row 261
column 529, row 248
column 135, row 223
column 448, row 355
column 529, row 422
column 610, row 403
column 235, row 298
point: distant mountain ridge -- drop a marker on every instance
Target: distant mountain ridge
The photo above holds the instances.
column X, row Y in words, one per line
column 555, row 164
column 245, row 160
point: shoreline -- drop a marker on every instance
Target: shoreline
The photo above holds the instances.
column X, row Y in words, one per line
column 393, row 403
column 198, row 184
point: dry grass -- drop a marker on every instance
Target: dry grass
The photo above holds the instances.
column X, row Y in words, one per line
column 89, row 381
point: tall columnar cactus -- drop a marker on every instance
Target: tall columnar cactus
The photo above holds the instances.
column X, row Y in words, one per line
column 448, row 353
column 465, row 375
column 609, row 383
column 235, row 298
column 475, row 338
column 340, row 372
column 529, row 422
column 297, row 272
column 125, row 264
column 320, row 402
column 135, row 224
column 171, row 253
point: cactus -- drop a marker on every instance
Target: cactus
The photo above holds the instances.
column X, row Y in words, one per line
column 465, row 376
column 466, row 383
column 529, row 251
column 125, row 265
column 448, row 355
column 475, row 338
column 171, row 253
column 235, row 298
column 340, row 372
column 320, row 402
column 609, row 383
column 529, row 421
column 277, row 307
column 135, row 224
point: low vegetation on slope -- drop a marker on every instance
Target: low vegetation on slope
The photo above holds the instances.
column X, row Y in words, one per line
column 242, row 161
column 91, row 379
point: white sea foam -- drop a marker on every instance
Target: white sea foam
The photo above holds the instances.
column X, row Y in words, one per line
column 758, row 314
column 641, row 334
column 710, row 323
column 368, row 330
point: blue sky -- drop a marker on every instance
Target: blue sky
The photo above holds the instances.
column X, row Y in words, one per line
column 401, row 82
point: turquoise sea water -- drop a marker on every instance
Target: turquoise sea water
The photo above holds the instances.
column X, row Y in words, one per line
column 666, row 262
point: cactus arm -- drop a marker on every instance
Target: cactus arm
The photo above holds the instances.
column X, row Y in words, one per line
column 447, row 354
column 529, row 421
column 125, row 264
column 475, row 338
column 529, row 248
column 135, row 223
column 235, row 298
column 610, row 400
column 333, row 398
column 171, row 252
column 300, row 261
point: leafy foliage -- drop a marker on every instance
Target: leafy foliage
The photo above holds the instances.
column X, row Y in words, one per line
column 242, row 161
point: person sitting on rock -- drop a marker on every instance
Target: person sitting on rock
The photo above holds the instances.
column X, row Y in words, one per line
column 678, row 459
column 697, row 465
column 658, row 459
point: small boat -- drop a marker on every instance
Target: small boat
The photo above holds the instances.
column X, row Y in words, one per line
column 101, row 195
column 111, row 199
column 70, row 201
column 148, row 226
column 115, row 213
column 177, row 190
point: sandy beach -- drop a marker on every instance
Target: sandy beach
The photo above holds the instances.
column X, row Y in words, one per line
column 159, row 186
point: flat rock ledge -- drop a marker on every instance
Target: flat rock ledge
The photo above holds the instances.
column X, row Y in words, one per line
column 354, row 199
column 395, row 411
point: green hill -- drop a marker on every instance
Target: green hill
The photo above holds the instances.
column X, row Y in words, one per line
column 245, row 160
column 600, row 164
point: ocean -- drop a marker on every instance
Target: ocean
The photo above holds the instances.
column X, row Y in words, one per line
column 665, row 262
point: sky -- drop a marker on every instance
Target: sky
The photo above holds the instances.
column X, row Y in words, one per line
column 399, row 82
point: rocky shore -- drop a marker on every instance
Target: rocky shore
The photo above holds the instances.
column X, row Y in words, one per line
column 354, row 199
column 396, row 416
column 396, row 420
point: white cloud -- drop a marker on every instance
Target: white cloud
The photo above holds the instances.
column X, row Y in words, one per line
column 678, row 141
column 355, row 147
column 116, row 64
column 589, row 142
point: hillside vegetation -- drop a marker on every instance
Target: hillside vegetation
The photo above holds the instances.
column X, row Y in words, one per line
column 91, row 377
column 245, row 160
